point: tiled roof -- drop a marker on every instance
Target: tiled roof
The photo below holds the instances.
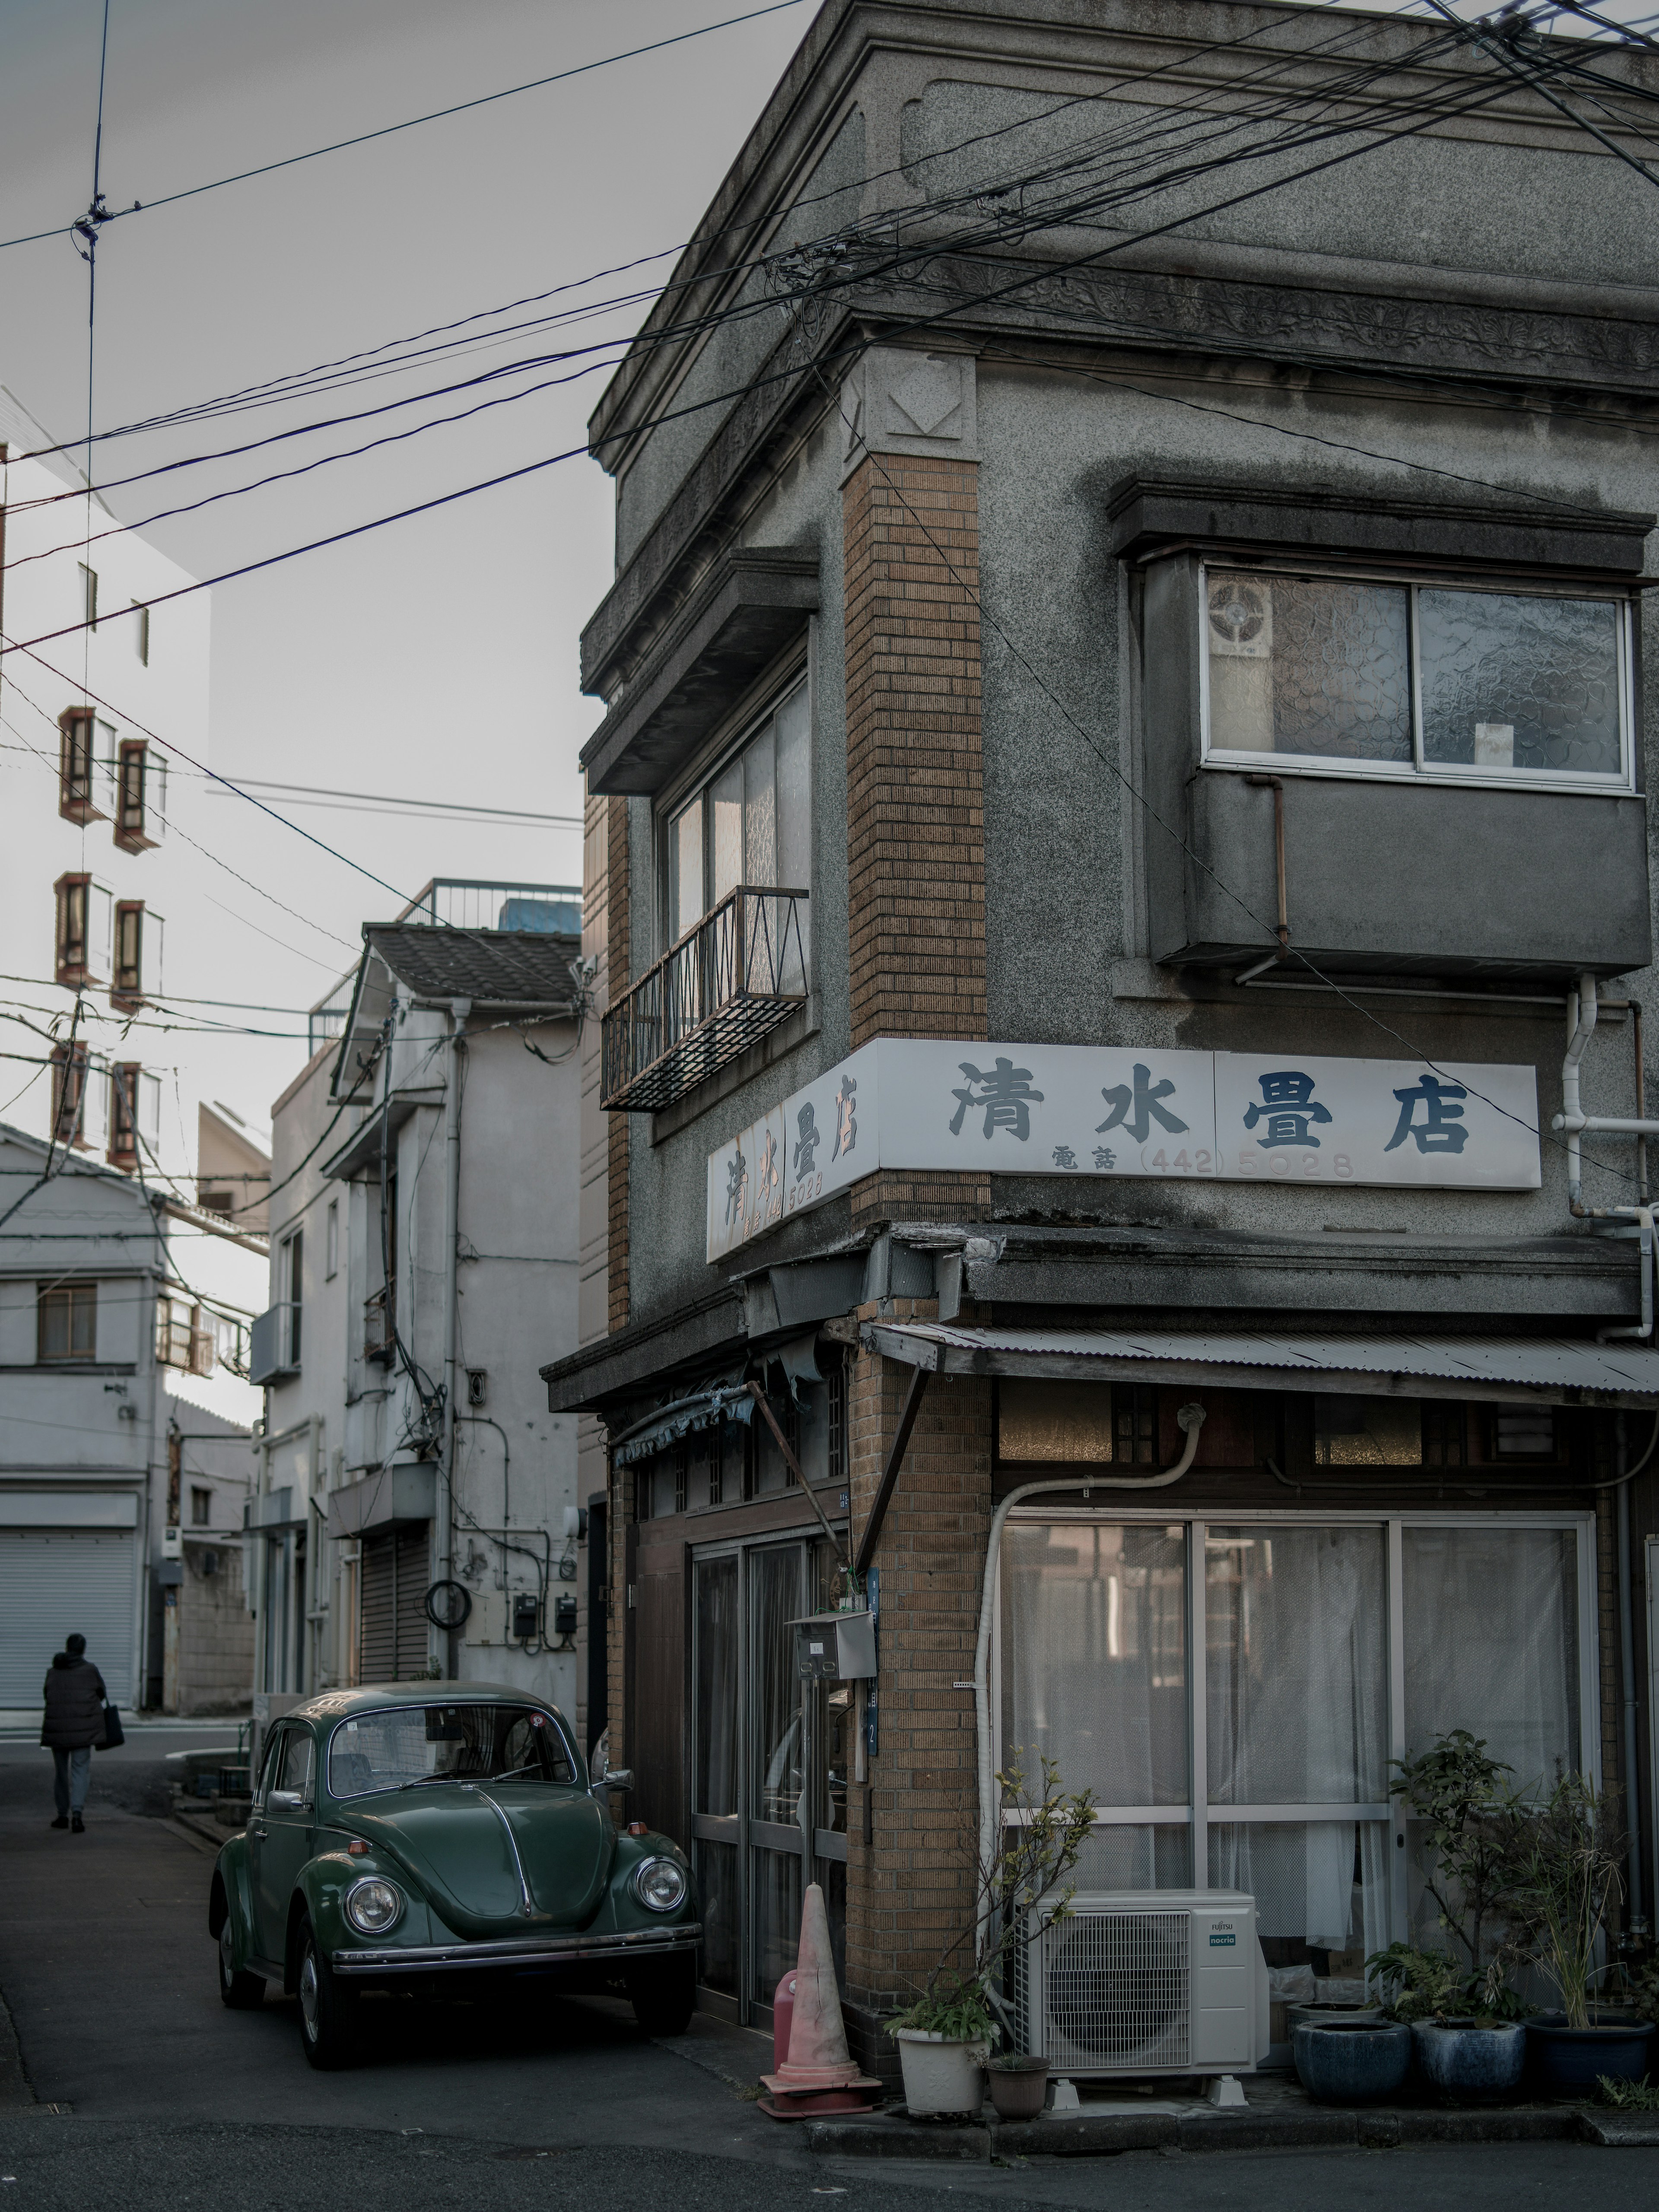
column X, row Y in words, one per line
column 492, row 967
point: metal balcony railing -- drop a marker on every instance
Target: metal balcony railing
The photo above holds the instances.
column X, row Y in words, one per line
column 735, row 977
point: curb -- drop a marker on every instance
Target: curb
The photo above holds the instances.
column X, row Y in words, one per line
column 1328, row 2128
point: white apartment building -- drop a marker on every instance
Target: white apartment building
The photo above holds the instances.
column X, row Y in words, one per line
column 103, row 737
column 417, row 1510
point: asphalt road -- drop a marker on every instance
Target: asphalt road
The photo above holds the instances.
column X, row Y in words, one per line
column 109, row 1971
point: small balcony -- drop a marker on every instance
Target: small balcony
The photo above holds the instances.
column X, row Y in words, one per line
column 724, row 987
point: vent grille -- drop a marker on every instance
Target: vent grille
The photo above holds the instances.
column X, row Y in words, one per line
column 1109, row 1991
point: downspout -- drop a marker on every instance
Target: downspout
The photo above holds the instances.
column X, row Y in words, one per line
column 458, row 1010
column 1638, row 1923
column 1190, row 1418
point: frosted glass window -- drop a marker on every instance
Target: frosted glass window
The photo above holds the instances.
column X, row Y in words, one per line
column 1310, row 665
column 685, row 869
column 725, row 800
column 1492, row 1643
column 1296, row 1680
column 1095, row 1665
column 1520, row 684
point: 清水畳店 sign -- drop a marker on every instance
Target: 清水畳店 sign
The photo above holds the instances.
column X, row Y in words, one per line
column 912, row 1102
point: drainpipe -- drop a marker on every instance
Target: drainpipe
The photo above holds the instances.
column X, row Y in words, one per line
column 1275, row 784
column 1572, row 1119
column 458, row 1010
column 1638, row 1924
column 1191, row 1419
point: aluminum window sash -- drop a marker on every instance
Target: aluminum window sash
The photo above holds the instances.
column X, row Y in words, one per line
column 1197, row 1700
column 1398, row 1865
column 1590, row 1662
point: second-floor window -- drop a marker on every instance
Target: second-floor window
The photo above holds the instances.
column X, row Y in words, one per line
column 69, row 1093
column 135, row 1113
column 291, row 1263
column 141, row 794
column 750, row 824
column 1362, row 675
column 66, row 1321
column 137, row 971
column 85, row 911
column 201, row 1507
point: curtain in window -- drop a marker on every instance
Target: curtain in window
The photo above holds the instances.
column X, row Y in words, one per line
column 1095, row 1665
column 1297, row 1714
column 1492, row 1643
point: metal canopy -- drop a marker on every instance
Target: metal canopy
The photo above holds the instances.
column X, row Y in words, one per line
column 1550, row 1370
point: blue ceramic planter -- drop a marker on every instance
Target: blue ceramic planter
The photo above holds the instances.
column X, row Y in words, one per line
column 1570, row 2061
column 1463, row 2061
column 1352, row 2064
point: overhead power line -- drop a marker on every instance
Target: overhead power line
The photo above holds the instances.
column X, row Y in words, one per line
column 412, row 123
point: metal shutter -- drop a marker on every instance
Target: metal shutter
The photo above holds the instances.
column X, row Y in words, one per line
column 53, row 1582
column 395, row 1572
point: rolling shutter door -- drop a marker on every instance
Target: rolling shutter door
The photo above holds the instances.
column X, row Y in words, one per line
column 395, row 1572
column 53, row 1582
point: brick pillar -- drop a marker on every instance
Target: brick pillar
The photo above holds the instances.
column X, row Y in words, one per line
column 617, row 945
column 912, row 1889
column 915, row 797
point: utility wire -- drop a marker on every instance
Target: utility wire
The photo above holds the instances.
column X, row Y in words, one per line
column 412, row 123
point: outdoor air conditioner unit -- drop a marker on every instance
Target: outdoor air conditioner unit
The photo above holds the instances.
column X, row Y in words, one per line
column 1136, row 1982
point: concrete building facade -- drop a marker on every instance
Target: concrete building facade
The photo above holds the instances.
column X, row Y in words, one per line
column 1126, row 898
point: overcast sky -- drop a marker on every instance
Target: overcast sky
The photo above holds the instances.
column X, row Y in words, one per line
column 436, row 658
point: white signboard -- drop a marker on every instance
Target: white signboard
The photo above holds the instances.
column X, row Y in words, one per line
column 1108, row 1111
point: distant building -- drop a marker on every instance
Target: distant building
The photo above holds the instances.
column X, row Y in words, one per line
column 121, row 1499
column 416, row 1511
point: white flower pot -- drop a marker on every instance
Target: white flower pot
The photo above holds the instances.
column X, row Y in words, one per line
column 941, row 2077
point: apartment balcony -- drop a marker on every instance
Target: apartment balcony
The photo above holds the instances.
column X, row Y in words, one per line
column 724, row 987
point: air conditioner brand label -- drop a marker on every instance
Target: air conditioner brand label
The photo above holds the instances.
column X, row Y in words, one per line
column 1220, row 1940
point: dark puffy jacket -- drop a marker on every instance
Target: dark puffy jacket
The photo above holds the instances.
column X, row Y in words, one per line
column 75, row 1704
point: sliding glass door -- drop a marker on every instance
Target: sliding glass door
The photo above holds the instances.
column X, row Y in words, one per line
column 768, row 1766
column 1233, row 1693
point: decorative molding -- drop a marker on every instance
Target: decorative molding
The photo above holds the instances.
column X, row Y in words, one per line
column 900, row 400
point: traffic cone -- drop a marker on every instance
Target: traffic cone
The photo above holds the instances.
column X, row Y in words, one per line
column 818, row 2075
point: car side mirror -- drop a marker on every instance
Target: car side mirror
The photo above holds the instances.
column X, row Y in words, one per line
column 617, row 1777
column 287, row 1800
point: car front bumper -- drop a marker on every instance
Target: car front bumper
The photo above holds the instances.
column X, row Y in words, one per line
column 515, row 1951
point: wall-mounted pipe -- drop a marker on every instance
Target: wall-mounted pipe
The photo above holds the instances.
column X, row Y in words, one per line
column 1191, row 1419
column 1276, row 784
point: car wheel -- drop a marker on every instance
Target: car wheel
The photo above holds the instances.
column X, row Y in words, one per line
column 663, row 1997
column 241, row 1992
column 327, row 2013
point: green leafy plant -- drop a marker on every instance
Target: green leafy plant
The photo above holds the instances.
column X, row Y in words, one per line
column 1628, row 2096
column 1415, row 1984
column 1042, row 1832
column 1463, row 1797
column 1561, row 1881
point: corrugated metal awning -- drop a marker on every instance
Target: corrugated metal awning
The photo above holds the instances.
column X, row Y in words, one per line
column 1552, row 1370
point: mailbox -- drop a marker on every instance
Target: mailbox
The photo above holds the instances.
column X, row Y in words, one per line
column 836, row 1647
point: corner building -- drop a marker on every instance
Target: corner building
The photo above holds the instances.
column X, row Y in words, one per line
column 1118, row 825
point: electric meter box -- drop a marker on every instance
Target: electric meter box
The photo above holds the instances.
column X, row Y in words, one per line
column 836, row 1647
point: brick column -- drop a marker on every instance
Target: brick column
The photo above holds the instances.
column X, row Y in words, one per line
column 616, row 952
column 915, row 801
column 912, row 1889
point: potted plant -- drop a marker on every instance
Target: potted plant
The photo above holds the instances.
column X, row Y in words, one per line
column 1353, row 2060
column 1563, row 1882
column 1466, row 2039
column 1464, row 2017
column 945, row 2037
column 1019, row 2085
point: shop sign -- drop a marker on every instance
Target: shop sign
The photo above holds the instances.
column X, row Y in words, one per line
column 1125, row 1111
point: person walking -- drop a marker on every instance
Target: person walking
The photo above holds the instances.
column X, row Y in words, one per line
column 74, row 1723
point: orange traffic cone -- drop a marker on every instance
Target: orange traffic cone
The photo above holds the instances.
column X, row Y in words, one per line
column 818, row 2075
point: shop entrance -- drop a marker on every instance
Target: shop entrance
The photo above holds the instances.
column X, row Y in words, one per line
column 769, row 1764
column 1233, row 1693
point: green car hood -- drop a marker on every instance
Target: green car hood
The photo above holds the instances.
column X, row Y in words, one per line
column 454, row 1844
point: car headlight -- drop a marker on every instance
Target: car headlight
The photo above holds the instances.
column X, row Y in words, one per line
column 660, row 1884
column 371, row 1907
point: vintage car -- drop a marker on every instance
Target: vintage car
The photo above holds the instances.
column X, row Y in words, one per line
column 439, row 1834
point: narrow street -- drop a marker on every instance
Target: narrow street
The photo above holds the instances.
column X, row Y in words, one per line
column 108, row 1976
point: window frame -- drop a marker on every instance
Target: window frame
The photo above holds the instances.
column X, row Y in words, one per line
column 136, row 770
column 1418, row 770
column 201, row 1506
column 712, row 764
column 69, row 1299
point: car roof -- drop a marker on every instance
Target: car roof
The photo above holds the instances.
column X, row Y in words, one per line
column 375, row 1697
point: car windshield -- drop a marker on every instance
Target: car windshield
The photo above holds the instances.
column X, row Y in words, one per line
column 409, row 1744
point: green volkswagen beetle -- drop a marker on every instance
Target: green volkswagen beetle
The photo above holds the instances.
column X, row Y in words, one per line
column 447, row 1830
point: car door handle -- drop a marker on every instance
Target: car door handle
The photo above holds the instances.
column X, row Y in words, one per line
column 261, row 1832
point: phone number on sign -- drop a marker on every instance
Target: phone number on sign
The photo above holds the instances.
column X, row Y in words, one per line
column 1282, row 1167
